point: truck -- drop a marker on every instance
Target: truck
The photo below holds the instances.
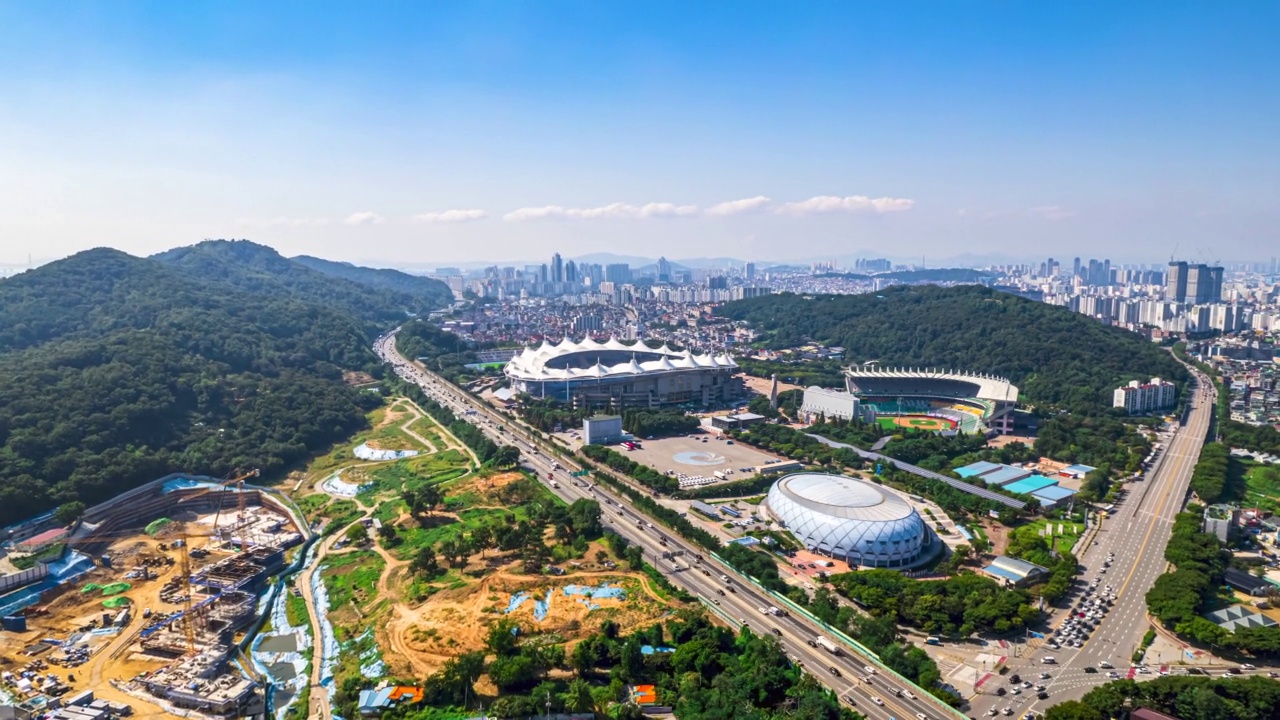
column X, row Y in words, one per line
column 719, row 474
column 932, row 640
column 773, row 611
column 827, row 645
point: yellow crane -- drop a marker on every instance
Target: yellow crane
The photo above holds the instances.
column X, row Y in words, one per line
column 184, row 554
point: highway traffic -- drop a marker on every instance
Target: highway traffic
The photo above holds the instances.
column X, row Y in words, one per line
column 1107, row 613
column 858, row 681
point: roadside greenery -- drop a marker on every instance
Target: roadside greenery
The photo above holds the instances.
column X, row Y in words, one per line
column 1217, row 475
column 712, row 672
column 1192, row 697
column 646, row 423
column 1095, row 440
column 643, row 474
column 958, row 606
column 449, row 354
column 1181, row 597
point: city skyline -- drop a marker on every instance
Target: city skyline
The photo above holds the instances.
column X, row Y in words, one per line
column 440, row 134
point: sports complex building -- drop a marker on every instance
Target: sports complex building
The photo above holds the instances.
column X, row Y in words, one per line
column 968, row 402
column 849, row 519
column 614, row 374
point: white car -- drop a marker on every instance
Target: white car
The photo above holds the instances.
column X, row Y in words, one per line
column 876, row 699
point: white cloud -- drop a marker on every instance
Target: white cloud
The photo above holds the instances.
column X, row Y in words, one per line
column 735, row 207
column 450, row 216
column 622, row 211
column 363, row 218
column 1050, row 212
column 853, row 203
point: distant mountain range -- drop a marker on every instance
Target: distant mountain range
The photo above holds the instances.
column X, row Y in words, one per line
column 844, row 261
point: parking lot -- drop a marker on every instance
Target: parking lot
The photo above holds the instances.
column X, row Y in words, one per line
column 700, row 455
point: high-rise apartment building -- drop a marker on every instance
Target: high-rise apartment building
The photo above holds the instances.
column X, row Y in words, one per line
column 1175, row 283
column 571, row 272
column 1196, row 284
column 617, row 273
column 1139, row 398
column 749, row 271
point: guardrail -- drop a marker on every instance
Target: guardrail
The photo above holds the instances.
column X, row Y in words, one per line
column 839, row 635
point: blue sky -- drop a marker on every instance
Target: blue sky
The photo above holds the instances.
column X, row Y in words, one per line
column 418, row 134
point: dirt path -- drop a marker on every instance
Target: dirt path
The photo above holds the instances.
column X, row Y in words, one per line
column 405, row 428
column 450, row 439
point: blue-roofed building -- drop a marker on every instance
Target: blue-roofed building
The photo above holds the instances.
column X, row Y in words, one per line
column 1004, row 475
column 1030, row 485
column 746, row 541
column 1077, row 471
column 1052, row 496
column 977, row 468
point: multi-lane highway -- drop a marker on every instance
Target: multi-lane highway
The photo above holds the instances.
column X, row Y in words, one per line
column 856, row 680
column 1127, row 555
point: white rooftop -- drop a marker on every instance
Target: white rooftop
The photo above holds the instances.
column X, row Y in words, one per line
column 531, row 363
column 844, row 497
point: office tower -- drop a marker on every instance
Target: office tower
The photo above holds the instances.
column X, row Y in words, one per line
column 1175, row 287
column 749, row 270
column 1075, row 268
column 557, row 269
column 617, row 273
column 571, row 272
column 664, row 270
column 543, row 276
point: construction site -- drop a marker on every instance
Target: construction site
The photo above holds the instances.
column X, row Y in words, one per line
column 148, row 604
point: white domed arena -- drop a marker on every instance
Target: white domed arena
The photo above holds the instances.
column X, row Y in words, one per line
column 850, row 519
column 616, row 374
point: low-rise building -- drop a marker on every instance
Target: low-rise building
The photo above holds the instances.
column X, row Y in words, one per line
column 1237, row 616
column 830, row 404
column 1015, row 571
column 602, row 430
column 1220, row 520
column 736, row 422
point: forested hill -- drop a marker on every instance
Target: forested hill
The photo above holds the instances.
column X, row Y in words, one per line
column 1056, row 356
column 115, row 370
column 260, row 269
column 426, row 293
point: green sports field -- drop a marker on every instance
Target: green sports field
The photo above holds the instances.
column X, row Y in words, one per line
column 916, row 422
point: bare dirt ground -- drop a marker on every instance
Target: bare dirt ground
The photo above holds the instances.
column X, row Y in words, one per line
column 1002, row 440
column 999, row 537
column 423, row 638
column 114, row 657
column 763, row 386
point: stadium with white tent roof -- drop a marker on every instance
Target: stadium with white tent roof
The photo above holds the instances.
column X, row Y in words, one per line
column 616, row 374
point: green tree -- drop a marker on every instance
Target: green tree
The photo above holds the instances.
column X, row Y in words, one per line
column 425, row 563
column 68, row 513
column 577, row 698
column 356, row 534
column 501, row 639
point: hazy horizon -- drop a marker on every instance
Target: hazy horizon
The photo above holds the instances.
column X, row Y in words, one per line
column 421, row 136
